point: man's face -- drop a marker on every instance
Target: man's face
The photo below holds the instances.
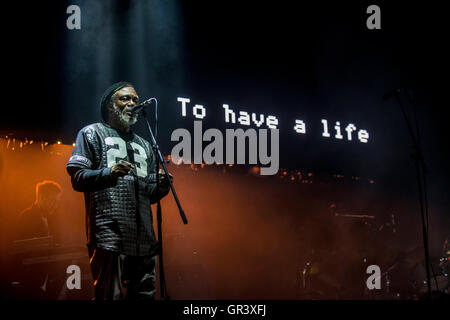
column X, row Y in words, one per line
column 123, row 102
column 49, row 203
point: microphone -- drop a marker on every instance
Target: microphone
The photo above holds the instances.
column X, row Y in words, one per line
column 142, row 105
column 391, row 94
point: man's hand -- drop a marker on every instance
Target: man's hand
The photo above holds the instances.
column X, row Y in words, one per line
column 164, row 187
column 121, row 169
column 163, row 181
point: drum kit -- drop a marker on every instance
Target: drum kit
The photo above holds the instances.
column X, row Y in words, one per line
column 403, row 274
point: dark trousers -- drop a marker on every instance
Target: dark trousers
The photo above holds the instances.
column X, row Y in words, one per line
column 117, row 276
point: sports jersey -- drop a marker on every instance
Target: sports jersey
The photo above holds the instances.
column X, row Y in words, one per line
column 118, row 212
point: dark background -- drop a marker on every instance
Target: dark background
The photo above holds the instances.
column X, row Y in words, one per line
column 308, row 61
column 305, row 61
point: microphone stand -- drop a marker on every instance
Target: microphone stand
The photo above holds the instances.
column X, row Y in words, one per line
column 421, row 169
column 159, row 159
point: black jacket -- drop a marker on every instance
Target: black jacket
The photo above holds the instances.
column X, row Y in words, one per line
column 118, row 212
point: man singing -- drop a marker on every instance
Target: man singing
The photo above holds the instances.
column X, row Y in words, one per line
column 116, row 170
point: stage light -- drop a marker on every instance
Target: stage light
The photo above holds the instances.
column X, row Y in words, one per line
column 155, row 32
column 255, row 170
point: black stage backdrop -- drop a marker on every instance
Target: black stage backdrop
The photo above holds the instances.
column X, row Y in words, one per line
column 310, row 61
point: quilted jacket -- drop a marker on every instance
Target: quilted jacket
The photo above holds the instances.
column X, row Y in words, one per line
column 118, row 212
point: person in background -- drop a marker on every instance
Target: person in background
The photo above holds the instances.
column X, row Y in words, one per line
column 38, row 221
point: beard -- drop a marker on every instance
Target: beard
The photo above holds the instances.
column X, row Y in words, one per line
column 122, row 117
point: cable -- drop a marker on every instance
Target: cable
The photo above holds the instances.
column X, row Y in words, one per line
column 424, row 180
column 156, row 118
